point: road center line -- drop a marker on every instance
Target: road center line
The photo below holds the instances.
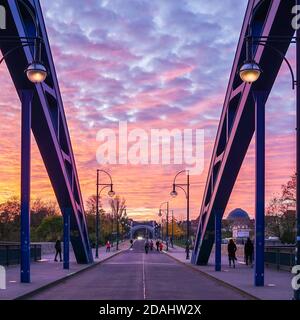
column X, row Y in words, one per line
column 144, row 278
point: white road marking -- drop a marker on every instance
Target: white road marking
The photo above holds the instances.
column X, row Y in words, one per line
column 144, row 279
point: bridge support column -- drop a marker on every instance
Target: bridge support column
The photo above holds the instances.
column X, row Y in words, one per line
column 26, row 100
column 66, row 217
column 260, row 98
column 218, row 240
column 297, row 259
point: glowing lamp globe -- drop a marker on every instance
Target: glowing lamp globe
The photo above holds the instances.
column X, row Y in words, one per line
column 174, row 194
column 250, row 72
column 111, row 193
column 36, row 72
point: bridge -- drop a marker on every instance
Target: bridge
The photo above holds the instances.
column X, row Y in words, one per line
column 150, row 229
column 268, row 33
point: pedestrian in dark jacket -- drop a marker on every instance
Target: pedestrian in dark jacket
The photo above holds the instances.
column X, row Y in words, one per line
column 231, row 252
column 157, row 245
column 58, row 250
column 248, row 252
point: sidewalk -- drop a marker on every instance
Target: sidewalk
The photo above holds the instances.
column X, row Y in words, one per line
column 277, row 283
column 47, row 272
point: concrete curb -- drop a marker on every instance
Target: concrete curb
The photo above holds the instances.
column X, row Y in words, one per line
column 56, row 282
column 226, row 284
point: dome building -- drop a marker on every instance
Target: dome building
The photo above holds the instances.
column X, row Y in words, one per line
column 240, row 223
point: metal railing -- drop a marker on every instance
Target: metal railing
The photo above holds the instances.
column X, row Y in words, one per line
column 10, row 253
column 280, row 257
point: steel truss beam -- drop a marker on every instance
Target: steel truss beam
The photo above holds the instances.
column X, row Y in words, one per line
column 237, row 123
column 49, row 124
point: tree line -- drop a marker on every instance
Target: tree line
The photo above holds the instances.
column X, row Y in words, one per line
column 47, row 222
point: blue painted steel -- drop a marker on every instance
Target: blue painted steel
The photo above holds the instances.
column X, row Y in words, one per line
column 49, row 124
column 66, row 216
column 26, row 98
column 260, row 98
column 218, row 240
column 297, row 262
column 237, row 121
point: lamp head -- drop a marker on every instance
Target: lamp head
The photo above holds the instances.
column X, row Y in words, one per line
column 36, row 72
column 250, row 71
column 111, row 193
column 174, row 194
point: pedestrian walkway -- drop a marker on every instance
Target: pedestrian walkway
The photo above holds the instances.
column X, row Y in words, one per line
column 277, row 283
column 47, row 272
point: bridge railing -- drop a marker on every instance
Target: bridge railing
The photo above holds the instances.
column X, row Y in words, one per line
column 10, row 253
column 280, row 257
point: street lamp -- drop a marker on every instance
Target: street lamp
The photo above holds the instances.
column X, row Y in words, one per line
column 36, row 71
column 250, row 71
column 174, row 194
column 167, row 216
column 111, row 194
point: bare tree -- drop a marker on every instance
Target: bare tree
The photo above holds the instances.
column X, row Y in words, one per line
column 118, row 208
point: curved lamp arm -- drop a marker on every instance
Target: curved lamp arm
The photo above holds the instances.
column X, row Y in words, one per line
column 107, row 175
column 102, row 190
column 13, row 50
column 182, row 189
column 178, row 175
column 166, row 202
column 283, row 57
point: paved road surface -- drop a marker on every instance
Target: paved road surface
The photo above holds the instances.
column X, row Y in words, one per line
column 133, row 275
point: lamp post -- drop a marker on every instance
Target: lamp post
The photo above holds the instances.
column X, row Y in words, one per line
column 167, row 218
column 111, row 193
column 251, row 72
column 36, row 72
column 172, row 242
column 174, row 194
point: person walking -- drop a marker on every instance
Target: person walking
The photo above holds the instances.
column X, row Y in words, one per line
column 108, row 246
column 147, row 246
column 151, row 245
column 231, row 252
column 248, row 252
column 58, row 250
column 157, row 245
column 161, row 246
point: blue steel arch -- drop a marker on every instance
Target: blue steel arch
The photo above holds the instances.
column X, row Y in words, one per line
column 237, row 122
column 49, row 124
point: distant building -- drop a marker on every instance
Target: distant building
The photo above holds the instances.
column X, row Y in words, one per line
column 240, row 224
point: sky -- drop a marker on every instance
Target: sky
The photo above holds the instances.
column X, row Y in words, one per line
column 159, row 64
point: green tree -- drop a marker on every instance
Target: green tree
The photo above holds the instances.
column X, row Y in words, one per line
column 50, row 229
